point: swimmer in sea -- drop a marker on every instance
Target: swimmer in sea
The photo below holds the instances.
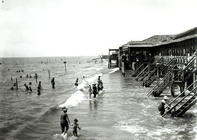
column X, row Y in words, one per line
column 26, row 87
column 76, row 82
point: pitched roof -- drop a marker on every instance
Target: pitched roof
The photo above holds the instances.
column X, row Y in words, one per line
column 158, row 40
column 190, row 32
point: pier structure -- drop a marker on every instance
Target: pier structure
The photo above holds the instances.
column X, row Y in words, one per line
column 163, row 61
column 113, row 58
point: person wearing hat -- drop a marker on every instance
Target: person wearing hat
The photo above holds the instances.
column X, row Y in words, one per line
column 162, row 105
column 64, row 120
column 75, row 127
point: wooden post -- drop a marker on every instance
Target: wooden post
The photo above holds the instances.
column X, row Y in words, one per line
column 65, row 65
column 157, row 74
column 194, row 74
column 109, row 60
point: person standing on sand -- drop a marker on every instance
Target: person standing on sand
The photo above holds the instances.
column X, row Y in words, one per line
column 64, row 120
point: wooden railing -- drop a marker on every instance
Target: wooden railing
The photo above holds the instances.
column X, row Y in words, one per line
column 180, row 59
column 177, row 100
column 138, row 70
column 142, row 72
column 157, row 90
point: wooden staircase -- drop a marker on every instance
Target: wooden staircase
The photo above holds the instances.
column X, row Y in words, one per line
column 169, row 77
column 141, row 68
column 142, row 73
column 190, row 64
column 183, row 102
column 188, row 68
column 138, row 70
column 158, row 89
column 152, row 76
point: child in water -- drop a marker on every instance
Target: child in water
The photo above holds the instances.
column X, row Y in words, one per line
column 75, row 127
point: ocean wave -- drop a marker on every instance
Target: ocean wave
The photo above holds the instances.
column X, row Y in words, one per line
column 114, row 70
column 81, row 93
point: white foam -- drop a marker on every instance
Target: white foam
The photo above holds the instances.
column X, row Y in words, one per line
column 74, row 100
column 134, row 129
column 81, row 93
column 114, row 70
column 97, row 69
column 60, row 136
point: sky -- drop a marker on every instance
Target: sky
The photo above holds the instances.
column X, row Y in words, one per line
column 33, row 28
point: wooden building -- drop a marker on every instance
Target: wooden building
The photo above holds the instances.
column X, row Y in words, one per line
column 167, row 61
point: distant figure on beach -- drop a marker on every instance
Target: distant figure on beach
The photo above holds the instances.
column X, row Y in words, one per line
column 163, row 105
column 53, row 83
column 27, row 76
column 30, row 89
column 90, row 91
column 99, row 84
column 95, row 92
column 26, row 87
column 30, row 76
column 75, row 127
column 76, row 82
column 11, row 79
column 64, row 120
column 39, row 88
column 36, row 77
column 39, row 84
column 49, row 73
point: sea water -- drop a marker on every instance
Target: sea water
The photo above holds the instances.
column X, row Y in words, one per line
column 123, row 111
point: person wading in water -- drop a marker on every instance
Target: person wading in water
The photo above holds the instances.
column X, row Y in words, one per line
column 64, row 120
column 76, row 82
column 53, row 83
column 163, row 105
column 95, row 91
column 99, row 84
